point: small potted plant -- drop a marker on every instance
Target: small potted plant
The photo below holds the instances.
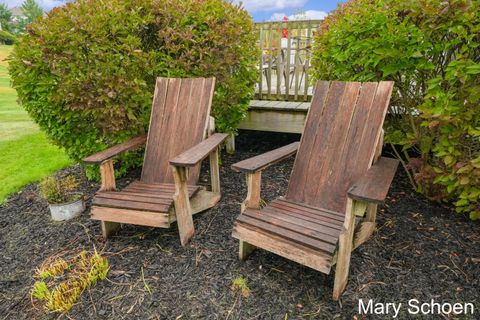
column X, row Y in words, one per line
column 62, row 199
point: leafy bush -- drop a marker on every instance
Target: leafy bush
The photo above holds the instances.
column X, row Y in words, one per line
column 431, row 49
column 6, row 37
column 86, row 72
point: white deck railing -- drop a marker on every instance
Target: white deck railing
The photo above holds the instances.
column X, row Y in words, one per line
column 285, row 60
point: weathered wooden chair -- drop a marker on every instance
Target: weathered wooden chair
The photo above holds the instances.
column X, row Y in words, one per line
column 338, row 175
column 175, row 146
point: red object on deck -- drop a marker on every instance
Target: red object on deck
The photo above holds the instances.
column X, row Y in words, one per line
column 285, row 31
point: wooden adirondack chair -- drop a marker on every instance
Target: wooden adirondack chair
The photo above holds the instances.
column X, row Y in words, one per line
column 175, row 146
column 338, row 175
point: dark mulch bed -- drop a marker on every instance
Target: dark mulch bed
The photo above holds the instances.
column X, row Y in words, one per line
column 421, row 250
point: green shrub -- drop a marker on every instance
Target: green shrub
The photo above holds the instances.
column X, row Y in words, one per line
column 431, row 49
column 6, row 37
column 56, row 190
column 86, row 72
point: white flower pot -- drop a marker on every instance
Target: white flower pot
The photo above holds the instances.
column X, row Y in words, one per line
column 67, row 211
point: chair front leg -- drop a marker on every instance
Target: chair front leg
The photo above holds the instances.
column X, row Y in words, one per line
column 252, row 201
column 345, row 245
column 108, row 176
column 183, row 210
column 108, row 184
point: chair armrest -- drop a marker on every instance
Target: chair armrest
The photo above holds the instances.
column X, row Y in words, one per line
column 115, row 150
column 199, row 152
column 265, row 160
column 374, row 185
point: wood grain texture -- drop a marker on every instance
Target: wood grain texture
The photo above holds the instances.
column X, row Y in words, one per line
column 298, row 177
column 143, row 218
column 215, row 170
column 154, row 144
column 204, row 200
column 109, row 153
column 107, row 173
column 138, row 196
column 274, row 120
column 379, row 147
column 354, row 137
column 156, row 189
column 366, row 227
column 309, row 227
column 183, row 210
column 197, row 153
column 363, row 233
column 307, row 209
column 179, row 121
column 339, row 142
column 321, row 142
column 211, row 126
column 200, row 201
column 330, row 168
column 344, row 253
column 324, row 231
column 134, row 205
column 374, row 185
column 294, row 224
column 294, row 251
column 253, row 199
column 265, row 160
column 279, row 106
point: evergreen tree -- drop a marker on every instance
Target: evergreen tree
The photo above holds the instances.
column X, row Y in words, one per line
column 5, row 18
column 31, row 10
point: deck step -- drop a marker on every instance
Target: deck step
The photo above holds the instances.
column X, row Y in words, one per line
column 280, row 105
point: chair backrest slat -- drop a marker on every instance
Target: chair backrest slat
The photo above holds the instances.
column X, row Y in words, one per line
column 339, row 140
column 179, row 119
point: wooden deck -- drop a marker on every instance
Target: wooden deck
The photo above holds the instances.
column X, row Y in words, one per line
column 284, row 60
column 276, row 116
column 279, row 105
column 284, row 88
column 278, row 90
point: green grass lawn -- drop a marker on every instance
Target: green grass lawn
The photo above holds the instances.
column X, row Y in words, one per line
column 25, row 153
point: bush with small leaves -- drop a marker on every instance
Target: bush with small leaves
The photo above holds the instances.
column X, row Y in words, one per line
column 431, row 49
column 86, row 72
column 57, row 191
